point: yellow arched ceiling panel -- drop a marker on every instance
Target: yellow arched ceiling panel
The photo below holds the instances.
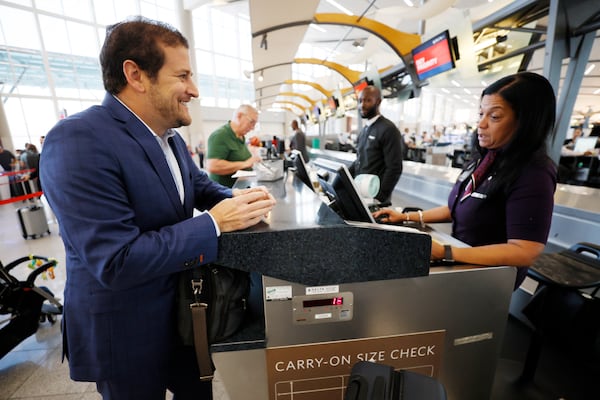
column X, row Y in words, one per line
column 351, row 75
column 401, row 42
column 302, row 108
column 314, row 85
column 292, row 111
column 289, row 94
column 302, row 96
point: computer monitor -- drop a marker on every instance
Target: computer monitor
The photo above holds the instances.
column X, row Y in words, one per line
column 301, row 169
column 583, row 144
column 433, row 56
column 344, row 197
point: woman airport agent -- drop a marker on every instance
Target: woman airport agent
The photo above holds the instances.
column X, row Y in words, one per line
column 501, row 204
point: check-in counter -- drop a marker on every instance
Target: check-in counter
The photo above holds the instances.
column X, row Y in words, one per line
column 576, row 216
column 334, row 294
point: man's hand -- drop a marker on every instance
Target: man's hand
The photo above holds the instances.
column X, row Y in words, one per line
column 252, row 160
column 245, row 209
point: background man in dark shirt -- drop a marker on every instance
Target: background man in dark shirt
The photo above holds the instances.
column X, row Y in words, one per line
column 379, row 146
column 298, row 141
column 6, row 159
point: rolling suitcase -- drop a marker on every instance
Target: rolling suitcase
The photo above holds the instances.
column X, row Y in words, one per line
column 33, row 221
column 371, row 381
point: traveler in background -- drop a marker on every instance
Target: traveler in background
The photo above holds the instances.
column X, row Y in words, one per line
column 200, row 152
column 7, row 159
column 502, row 202
column 227, row 151
column 298, row 141
column 379, row 149
column 124, row 188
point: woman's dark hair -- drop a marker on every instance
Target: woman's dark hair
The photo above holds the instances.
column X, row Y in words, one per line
column 139, row 40
column 533, row 101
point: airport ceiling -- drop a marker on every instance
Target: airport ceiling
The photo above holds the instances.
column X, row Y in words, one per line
column 495, row 38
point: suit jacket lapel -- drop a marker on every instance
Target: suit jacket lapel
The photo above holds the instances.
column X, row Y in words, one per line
column 150, row 145
column 186, row 175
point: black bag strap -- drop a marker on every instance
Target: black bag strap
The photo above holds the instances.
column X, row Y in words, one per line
column 200, row 330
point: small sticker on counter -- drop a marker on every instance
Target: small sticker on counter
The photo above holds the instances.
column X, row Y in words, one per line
column 474, row 338
column 322, row 289
column 278, row 293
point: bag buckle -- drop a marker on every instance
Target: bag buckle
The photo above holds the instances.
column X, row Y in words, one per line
column 196, row 291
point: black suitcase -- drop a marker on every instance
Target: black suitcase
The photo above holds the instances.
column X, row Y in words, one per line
column 371, row 381
column 33, row 221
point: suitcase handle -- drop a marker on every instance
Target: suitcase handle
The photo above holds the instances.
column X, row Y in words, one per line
column 585, row 247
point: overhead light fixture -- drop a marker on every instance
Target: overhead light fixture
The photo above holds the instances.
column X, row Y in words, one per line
column 263, row 42
column 317, row 28
column 484, row 45
column 339, row 7
column 359, row 43
column 597, row 91
column 409, row 3
column 589, row 69
column 247, row 74
column 261, row 77
column 455, row 83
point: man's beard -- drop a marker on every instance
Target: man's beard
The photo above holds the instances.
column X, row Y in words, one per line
column 164, row 108
column 370, row 113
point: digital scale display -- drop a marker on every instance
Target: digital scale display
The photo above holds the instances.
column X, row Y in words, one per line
column 331, row 301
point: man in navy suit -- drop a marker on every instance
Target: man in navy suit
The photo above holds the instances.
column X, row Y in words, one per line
column 124, row 188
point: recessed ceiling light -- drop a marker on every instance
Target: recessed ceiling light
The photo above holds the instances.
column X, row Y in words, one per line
column 339, row 7
column 317, row 27
column 589, row 69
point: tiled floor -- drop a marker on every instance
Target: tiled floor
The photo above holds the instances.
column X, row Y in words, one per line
column 34, row 371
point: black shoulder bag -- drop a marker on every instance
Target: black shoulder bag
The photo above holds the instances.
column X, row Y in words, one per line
column 211, row 307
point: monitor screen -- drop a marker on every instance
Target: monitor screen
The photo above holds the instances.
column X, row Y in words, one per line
column 360, row 85
column 316, row 111
column 301, row 169
column 583, row 144
column 433, row 56
column 333, row 103
column 344, row 197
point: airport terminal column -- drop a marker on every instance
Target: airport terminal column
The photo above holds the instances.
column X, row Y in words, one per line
column 561, row 43
column 194, row 133
column 5, row 136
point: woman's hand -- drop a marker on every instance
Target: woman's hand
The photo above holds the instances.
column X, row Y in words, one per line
column 437, row 251
column 388, row 216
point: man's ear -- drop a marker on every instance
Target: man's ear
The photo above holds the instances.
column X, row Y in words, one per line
column 134, row 75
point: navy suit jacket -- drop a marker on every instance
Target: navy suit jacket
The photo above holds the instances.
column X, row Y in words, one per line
column 126, row 236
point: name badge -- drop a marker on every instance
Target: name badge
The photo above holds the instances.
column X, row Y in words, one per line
column 371, row 137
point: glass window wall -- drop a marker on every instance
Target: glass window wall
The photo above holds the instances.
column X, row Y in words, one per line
column 49, row 64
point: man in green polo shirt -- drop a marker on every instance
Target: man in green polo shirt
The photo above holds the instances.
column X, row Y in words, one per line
column 227, row 151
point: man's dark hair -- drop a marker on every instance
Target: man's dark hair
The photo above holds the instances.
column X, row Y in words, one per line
column 139, row 40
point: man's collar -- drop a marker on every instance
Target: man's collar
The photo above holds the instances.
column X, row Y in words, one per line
column 370, row 122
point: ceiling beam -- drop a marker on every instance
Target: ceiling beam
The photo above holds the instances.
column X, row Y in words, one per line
column 402, row 43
